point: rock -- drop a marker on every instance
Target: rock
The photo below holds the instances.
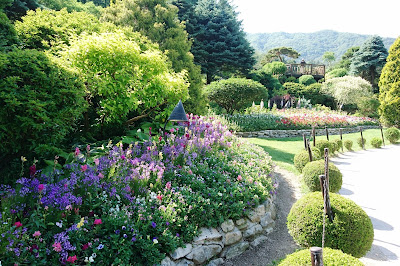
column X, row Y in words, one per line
column 216, row 262
column 258, row 241
column 260, row 210
column 242, row 224
column 268, row 230
column 233, row 237
column 235, row 250
column 185, row 262
column 254, row 217
column 252, row 231
column 266, row 220
column 227, row 226
column 167, row 262
column 208, row 235
column 181, row 252
column 203, row 253
column 273, row 212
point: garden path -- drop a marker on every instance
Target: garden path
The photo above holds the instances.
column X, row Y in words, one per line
column 279, row 242
column 371, row 178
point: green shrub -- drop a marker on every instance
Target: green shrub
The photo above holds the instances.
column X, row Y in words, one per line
column 307, row 80
column 351, row 230
column 338, row 144
column 376, row 142
column 235, row 94
column 8, row 35
column 331, row 257
column 392, row 134
column 336, row 73
column 322, row 144
column 40, row 102
column 313, row 170
column 348, row 144
column 302, row 158
column 362, row 141
column 368, row 106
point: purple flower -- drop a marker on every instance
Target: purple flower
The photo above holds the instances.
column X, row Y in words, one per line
column 117, row 232
column 133, row 239
column 101, row 246
column 125, row 236
column 153, row 224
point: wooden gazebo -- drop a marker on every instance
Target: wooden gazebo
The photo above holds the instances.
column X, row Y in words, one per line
column 297, row 70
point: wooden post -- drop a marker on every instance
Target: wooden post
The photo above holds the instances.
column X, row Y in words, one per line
column 362, row 139
column 325, row 193
column 383, row 139
column 313, row 135
column 316, row 256
column 309, row 151
column 305, row 142
column 326, row 159
column 327, row 133
column 341, row 136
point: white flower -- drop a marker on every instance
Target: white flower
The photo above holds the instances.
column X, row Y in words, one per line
column 155, row 241
column 86, row 260
column 91, row 259
column 139, row 130
column 94, row 255
column 59, row 224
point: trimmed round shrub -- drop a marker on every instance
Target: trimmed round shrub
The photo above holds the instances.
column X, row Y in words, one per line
column 361, row 141
column 338, row 144
column 376, row 142
column 331, row 257
column 302, row 158
column 392, row 134
column 307, row 80
column 313, row 170
column 348, row 144
column 351, row 230
column 322, row 144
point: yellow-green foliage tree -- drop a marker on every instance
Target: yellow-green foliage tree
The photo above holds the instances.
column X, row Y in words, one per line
column 389, row 86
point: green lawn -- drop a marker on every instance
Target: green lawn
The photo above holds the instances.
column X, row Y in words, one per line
column 283, row 150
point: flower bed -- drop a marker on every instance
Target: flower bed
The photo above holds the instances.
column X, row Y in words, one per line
column 136, row 204
column 295, row 119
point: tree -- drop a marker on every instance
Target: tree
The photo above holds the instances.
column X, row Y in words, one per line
column 307, row 80
column 158, row 20
column 236, row 93
column 280, row 54
column 347, row 90
column 219, row 42
column 369, row 60
column 329, row 57
column 72, row 5
column 389, row 85
column 345, row 62
column 8, row 35
column 275, row 68
column 18, row 8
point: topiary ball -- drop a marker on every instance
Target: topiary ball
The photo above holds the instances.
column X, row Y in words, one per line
column 338, row 143
column 392, row 134
column 376, row 142
column 313, row 170
column 322, row 144
column 302, row 158
column 361, row 141
column 330, row 257
column 351, row 230
column 348, row 144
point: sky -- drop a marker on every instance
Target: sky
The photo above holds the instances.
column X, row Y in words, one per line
column 372, row 17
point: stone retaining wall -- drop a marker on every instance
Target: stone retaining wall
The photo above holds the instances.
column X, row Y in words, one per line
column 298, row 133
column 232, row 238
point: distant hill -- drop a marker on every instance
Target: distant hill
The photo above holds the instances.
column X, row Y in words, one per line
column 311, row 46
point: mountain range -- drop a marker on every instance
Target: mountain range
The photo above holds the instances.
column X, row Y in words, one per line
column 311, row 46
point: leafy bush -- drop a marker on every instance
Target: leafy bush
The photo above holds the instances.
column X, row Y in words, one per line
column 235, row 94
column 133, row 205
column 336, row 73
column 322, row 144
column 348, row 144
column 376, row 142
column 368, row 106
column 307, row 80
column 302, row 158
column 361, row 142
column 40, row 102
column 392, row 134
column 72, row 5
column 338, row 144
column 351, row 230
column 389, row 89
column 313, row 170
column 331, row 257
column 8, row 35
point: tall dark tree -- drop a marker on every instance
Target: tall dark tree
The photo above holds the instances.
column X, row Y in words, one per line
column 15, row 9
column 369, row 60
column 219, row 43
column 158, row 20
column 345, row 61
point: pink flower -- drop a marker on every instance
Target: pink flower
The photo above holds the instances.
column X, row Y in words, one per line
column 159, row 197
column 40, row 188
column 77, row 151
column 32, row 170
column 37, row 234
column 168, row 185
column 85, row 247
column 83, row 168
column 101, row 175
column 123, row 157
column 57, row 247
column 72, row 259
column 239, row 178
column 18, row 224
column 97, row 221
column 96, row 161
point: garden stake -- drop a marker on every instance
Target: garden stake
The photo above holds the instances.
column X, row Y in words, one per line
column 383, row 139
column 327, row 133
column 305, row 142
column 313, row 135
column 316, row 256
column 327, row 201
column 326, row 158
column 362, row 139
column 309, row 150
column 341, row 137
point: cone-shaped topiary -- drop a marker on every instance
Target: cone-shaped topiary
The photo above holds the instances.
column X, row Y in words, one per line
column 330, row 257
column 302, row 158
column 313, row 170
column 351, row 230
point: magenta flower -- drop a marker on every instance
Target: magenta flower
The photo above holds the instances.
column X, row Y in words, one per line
column 57, row 247
column 40, row 188
column 72, row 259
column 17, row 224
column 77, row 151
column 168, row 185
column 32, row 171
column 37, row 234
column 83, row 168
column 97, row 221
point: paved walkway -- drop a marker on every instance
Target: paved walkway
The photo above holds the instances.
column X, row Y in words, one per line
column 371, row 178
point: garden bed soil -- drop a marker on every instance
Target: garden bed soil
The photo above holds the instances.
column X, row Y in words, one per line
column 279, row 243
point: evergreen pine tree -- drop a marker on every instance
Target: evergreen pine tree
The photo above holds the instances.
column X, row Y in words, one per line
column 159, row 21
column 369, row 60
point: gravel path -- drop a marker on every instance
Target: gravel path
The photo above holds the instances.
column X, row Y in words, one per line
column 279, row 242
